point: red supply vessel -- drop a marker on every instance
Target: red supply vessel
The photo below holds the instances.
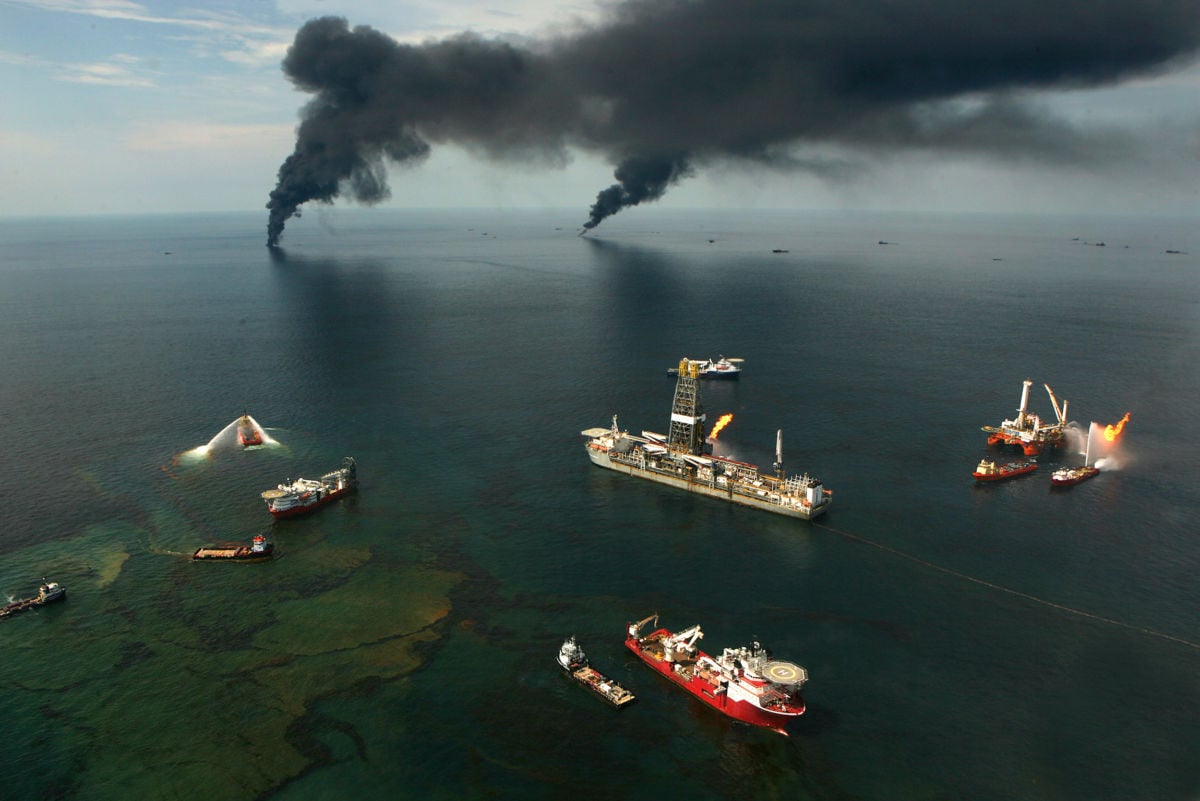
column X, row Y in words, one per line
column 744, row 683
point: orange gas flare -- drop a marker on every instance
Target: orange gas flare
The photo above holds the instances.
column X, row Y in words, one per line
column 722, row 421
column 1112, row 432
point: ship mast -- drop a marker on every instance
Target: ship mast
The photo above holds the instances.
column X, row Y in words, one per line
column 686, row 435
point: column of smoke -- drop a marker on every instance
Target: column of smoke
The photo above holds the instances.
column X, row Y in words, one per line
column 661, row 88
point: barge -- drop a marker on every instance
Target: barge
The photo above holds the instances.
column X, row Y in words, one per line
column 574, row 661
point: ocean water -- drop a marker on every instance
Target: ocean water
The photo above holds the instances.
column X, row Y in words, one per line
column 995, row 642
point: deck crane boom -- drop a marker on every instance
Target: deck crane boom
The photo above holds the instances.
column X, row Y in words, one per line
column 1060, row 413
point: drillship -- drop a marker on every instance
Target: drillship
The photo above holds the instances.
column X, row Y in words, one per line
column 681, row 460
column 743, row 683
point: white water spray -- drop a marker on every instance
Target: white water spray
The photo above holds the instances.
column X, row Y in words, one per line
column 1106, row 456
column 227, row 438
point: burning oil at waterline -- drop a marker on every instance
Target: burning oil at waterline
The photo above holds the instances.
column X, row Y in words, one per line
column 1101, row 446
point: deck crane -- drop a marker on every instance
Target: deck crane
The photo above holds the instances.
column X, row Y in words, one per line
column 1027, row 430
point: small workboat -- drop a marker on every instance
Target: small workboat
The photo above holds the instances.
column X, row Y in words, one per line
column 48, row 592
column 574, row 661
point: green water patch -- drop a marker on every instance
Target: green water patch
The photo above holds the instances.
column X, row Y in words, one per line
column 160, row 677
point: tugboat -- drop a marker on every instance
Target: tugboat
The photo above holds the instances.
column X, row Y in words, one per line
column 743, row 683
column 989, row 471
column 714, row 368
column 258, row 550
column 247, row 432
column 48, row 592
column 306, row 494
column 574, row 661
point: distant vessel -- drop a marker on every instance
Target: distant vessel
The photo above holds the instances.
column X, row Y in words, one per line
column 247, row 432
column 258, row 550
column 1027, row 430
column 306, row 494
column 718, row 368
column 574, row 661
column 744, row 683
column 989, row 471
column 682, row 460
column 48, row 592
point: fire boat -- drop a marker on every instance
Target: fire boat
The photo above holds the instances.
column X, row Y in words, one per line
column 247, row 432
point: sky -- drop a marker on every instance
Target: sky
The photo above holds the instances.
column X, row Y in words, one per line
column 111, row 106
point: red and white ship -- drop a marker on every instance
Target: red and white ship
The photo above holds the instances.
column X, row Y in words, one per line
column 247, row 431
column 1066, row 476
column 306, row 494
column 743, row 683
column 990, row 471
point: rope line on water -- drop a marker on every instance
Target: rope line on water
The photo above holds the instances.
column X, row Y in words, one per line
column 1001, row 588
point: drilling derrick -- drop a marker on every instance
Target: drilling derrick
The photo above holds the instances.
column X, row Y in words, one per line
column 686, row 435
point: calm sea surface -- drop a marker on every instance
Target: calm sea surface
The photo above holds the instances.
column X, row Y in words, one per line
column 963, row 642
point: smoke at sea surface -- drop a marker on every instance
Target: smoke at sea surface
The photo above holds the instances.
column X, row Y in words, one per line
column 662, row 87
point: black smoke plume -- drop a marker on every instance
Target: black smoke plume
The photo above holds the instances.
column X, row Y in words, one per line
column 664, row 86
column 638, row 179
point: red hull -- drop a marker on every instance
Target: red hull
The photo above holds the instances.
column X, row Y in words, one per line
column 1082, row 474
column 1032, row 448
column 707, row 692
column 247, row 432
column 1006, row 471
column 296, row 511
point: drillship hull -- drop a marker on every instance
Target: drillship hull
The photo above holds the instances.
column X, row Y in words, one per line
column 728, row 698
column 731, row 492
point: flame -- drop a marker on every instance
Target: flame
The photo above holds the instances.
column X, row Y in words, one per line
column 722, row 421
column 1112, row 432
